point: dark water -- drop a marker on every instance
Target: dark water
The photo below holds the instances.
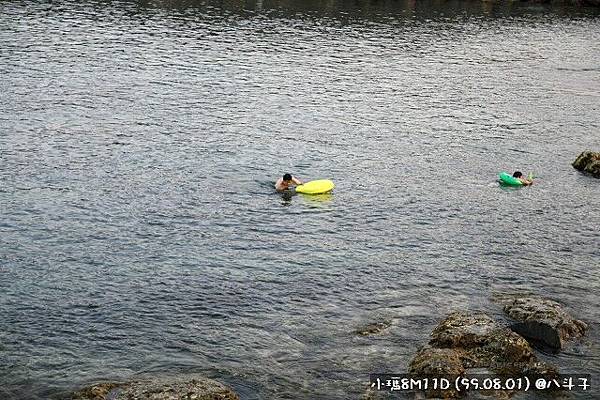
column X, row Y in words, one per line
column 140, row 235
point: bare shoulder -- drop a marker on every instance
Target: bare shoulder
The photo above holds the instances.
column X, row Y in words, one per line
column 278, row 185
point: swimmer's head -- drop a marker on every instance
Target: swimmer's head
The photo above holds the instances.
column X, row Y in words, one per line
column 517, row 174
column 287, row 177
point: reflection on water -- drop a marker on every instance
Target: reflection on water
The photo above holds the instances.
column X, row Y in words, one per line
column 317, row 198
column 287, row 197
column 140, row 231
column 314, row 199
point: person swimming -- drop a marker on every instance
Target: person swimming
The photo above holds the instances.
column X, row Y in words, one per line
column 286, row 181
column 523, row 180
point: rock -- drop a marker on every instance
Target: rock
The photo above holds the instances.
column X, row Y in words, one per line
column 434, row 361
column 460, row 329
column 95, row 392
column 589, row 162
column 186, row 388
column 483, row 342
column 369, row 394
column 503, row 351
column 373, row 328
column 543, row 320
column 445, row 363
column 469, row 343
column 539, row 368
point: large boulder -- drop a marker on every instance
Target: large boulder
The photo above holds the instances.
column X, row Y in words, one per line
column 184, row 388
column 543, row 320
column 473, row 343
column 589, row 162
column 482, row 342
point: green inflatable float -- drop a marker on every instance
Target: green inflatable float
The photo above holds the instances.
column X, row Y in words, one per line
column 508, row 179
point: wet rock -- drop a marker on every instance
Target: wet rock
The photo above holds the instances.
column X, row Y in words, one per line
column 539, row 368
column 543, row 320
column 461, row 329
column 188, row 388
column 99, row 391
column 473, row 343
column 431, row 361
column 373, row 328
column 589, row 162
column 503, row 350
column 439, row 362
column 370, row 394
column 483, row 343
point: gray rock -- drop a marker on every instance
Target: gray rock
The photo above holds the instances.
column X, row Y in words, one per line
column 461, row 329
column 589, row 162
column 184, row 388
column 374, row 328
column 466, row 343
column 483, row 343
column 503, row 351
column 543, row 320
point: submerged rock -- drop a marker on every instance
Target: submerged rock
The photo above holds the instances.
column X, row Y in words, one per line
column 543, row 320
column 189, row 388
column 373, row 328
column 589, row 162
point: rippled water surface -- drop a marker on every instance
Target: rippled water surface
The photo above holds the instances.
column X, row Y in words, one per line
column 139, row 142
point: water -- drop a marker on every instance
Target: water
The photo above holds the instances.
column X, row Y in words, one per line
column 139, row 142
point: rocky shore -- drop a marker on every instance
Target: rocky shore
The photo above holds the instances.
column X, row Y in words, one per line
column 462, row 344
column 180, row 388
column 471, row 342
column 474, row 343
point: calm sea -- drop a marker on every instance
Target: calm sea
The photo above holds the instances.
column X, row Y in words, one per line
column 140, row 234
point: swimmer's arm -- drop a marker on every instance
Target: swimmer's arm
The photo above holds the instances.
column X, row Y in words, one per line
column 296, row 181
column 527, row 182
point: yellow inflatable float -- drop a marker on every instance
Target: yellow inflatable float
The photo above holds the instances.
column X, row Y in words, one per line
column 316, row 187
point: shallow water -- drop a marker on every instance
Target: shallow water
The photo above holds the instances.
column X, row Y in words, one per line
column 139, row 142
